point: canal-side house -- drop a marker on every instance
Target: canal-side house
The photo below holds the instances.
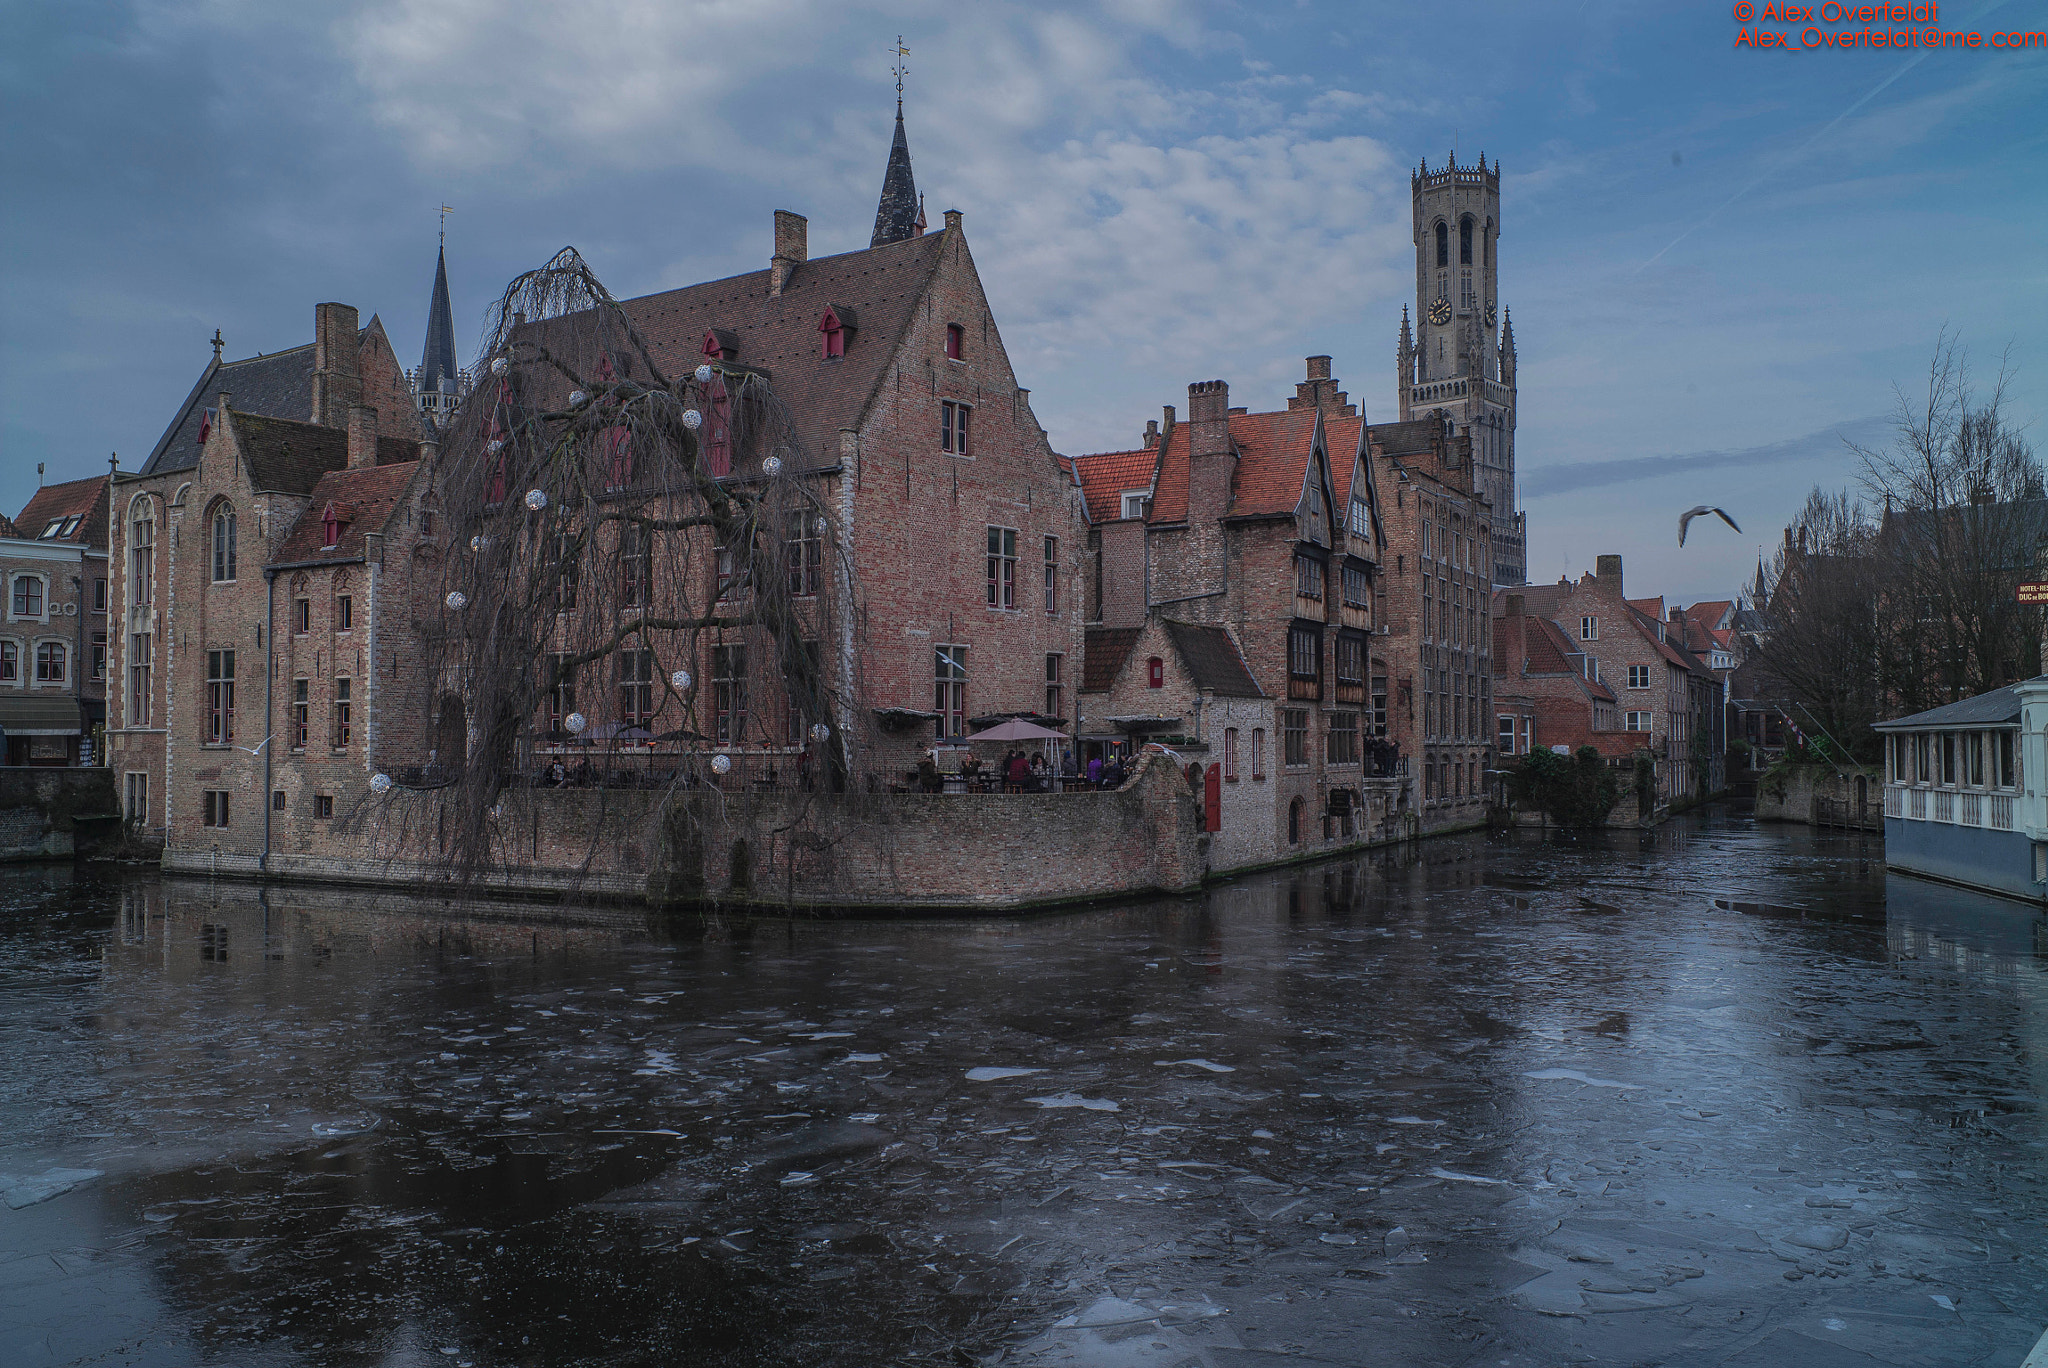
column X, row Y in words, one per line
column 195, row 546
column 53, row 630
column 1964, row 798
column 1254, row 536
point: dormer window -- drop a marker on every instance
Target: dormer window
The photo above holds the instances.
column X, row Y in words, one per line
column 205, row 426
column 834, row 329
column 1137, row 503
column 330, row 527
column 955, row 335
column 719, row 345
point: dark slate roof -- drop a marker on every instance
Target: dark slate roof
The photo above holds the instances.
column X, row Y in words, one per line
column 1411, row 438
column 437, row 363
column 2000, row 707
column 1213, row 660
column 896, row 214
column 285, row 457
column 780, row 334
column 1107, row 648
column 276, row 386
column 84, row 499
column 363, row 498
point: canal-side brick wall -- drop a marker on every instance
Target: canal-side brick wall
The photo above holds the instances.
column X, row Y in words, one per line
column 48, row 813
column 992, row 852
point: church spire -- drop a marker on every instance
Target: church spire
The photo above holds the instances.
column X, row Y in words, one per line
column 437, row 363
column 898, row 215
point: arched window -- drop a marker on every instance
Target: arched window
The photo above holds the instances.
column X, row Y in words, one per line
column 1155, row 673
column 1465, row 241
column 141, row 550
column 223, row 543
column 50, row 662
column 1443, row 243
column 28, row 596
column 1294, row 822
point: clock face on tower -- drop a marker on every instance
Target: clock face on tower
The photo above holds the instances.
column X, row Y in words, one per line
column 1492, row 316
column 1440, row 311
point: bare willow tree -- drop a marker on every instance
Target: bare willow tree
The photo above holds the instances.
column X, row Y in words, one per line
column 1820, row 664
column 638, row 565
column 1964, row 513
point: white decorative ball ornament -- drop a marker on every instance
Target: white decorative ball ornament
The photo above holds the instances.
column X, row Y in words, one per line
column 721, row 764
column 495, row 445
column 771, row 465
column 820, row 732
column 536, row 500
column 499, row 365
column 479, row 543
column 820, row 525
column 692, row 419
column 704, row 374
column 577, row 397
column 380, row 783
column 457, row 600
column 681, row 679
column 574, row 723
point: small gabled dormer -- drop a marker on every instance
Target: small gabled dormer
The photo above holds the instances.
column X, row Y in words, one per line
column 719, row 345
column 835, row 330
column 333, row 518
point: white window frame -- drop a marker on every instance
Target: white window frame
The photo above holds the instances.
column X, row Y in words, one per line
column 1589, row 629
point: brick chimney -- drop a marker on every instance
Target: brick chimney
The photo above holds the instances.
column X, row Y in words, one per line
column 1607, row 569
column 792, row 249
column 1208, row 450
column 362, row 437
column 1151, row 434
column 337, row 363
column 1513, row 661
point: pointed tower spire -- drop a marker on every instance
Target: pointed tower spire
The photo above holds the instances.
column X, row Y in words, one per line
column 900, row 213
column 437, row 363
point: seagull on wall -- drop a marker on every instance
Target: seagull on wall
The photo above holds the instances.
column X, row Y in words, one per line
column 257, row 749
column 1697, row 511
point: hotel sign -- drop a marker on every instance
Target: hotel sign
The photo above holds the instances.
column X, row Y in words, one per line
column 2034, row 593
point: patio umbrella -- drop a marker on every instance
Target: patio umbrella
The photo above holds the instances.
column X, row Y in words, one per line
column 1018, row 730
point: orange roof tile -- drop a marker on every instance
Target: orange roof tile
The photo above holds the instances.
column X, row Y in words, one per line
column 365, row 497
column 1106, row 475
column 56, row 505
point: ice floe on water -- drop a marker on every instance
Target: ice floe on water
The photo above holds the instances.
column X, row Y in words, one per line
column 1575, row 1076
column 25, row 1191
column 864, row 1059
column 1067, row 1099
column 1210, row 1065
column 1451, row 1177
column 989, row 1073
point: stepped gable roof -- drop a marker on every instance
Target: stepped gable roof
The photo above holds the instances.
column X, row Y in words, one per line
column 56, row 505
column 365, row 498
column 279, row 385
column 779, row 334
column 1106, row 650
column 1105, row 476
column 7, row 527
column 1213, row 660
column 2000, row 707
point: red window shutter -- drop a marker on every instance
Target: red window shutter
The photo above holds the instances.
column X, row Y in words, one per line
column 1155, row 673
column 1212, row 799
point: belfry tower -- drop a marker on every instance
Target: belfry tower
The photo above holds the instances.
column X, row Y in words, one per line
column 1459, row 359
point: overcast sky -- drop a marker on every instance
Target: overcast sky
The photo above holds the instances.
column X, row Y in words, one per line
column 1719, row 260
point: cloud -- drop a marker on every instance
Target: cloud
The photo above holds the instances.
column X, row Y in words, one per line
column 1831, row 442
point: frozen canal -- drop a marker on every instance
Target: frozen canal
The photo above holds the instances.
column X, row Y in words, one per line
column 1715, row 1095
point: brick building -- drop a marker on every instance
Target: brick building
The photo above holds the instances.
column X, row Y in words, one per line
column 1262, row 528
column 53, row 625
column 1535, row 663
column 960, row 528
column 1435, row 649
column 1667, row 698
column 254, row 557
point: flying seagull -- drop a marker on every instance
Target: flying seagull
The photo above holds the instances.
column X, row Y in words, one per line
column 257, row 749
column 1685, row 519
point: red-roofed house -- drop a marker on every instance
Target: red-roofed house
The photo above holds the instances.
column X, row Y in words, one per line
column 1262, row 529
column 53, row 625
